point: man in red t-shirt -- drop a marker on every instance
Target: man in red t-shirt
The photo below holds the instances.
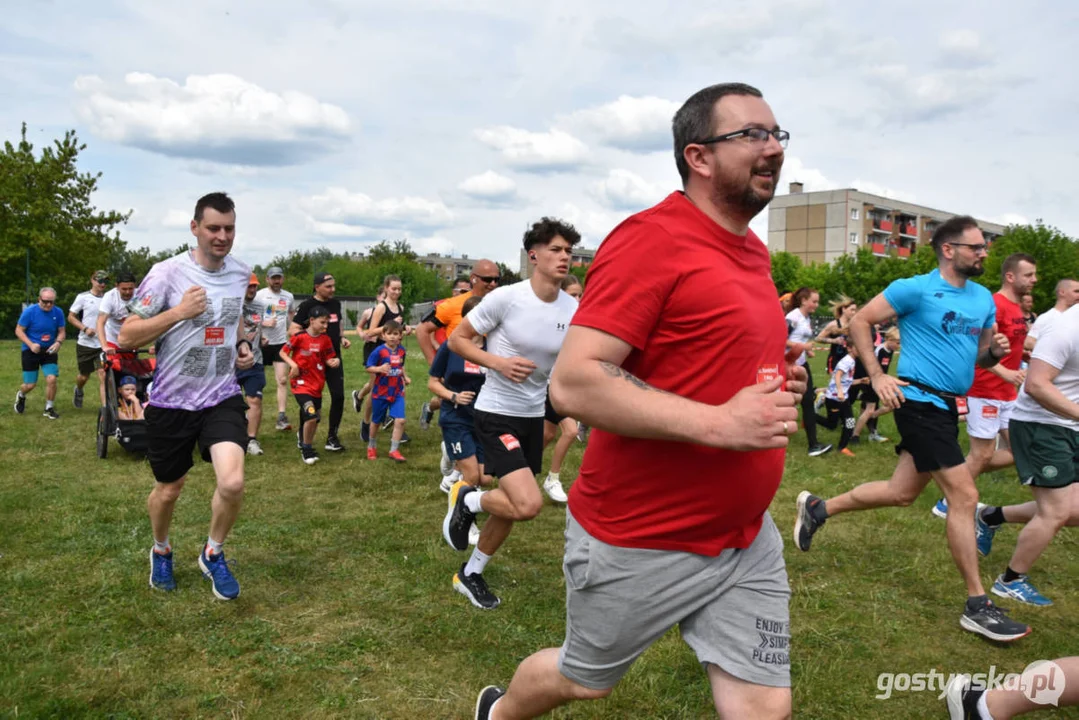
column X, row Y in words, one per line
column 682, row 382
column 992, row 396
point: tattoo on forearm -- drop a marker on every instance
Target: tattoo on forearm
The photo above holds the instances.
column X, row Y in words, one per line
column 615, row 371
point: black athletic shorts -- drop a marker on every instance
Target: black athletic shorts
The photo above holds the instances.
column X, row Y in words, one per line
column 271, row 354
column 929, row 434
column 509, row 443
column 549, row 413
column 310, row 407
column 88, row 359
column 32, row 361
column 172, row 435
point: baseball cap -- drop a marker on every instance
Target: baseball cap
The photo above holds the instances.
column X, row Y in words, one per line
column 275, row 272
column 318, row 311
column 127, row 380
column 254, row 280
column 101, row 276
column 322, row 277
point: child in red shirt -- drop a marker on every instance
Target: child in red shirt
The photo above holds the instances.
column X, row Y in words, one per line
column 307, row 354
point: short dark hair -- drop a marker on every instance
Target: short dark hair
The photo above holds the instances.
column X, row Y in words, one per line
column 547, row 229
column 472, row 302
column 693, row 121
column 218, row 201
column 392, row 326
column 125, row 276
column 950, row 230
column 317, row 312
column 1011, row 263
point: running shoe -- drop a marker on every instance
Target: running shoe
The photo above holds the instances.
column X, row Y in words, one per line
column 51, row 413
column 216, row 570
column 963, row 699
column 446, row 463
column 818, row 400
column 396, row 456
column 1020, row 589
column 983, row 532
column 554, row 490
column 365, row 431
column 161, row 571
column 877, row 438
column 990, row 621
column 448, row 481
column 309, row 455
column 941, row 508
column 283, row 425
column 474, row 587
column 488, row 696
column 372, row 453
column 77, row 400
column 425, row 416
column 847, row 452
column 806, row 523
column 333, row 444
column 357, row 401
column 253, row 447
column 819, row 449
column 20, row 403
column 458, row 517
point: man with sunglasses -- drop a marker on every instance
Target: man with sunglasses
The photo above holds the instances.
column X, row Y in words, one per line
column 948, row 325
column 83, row 316
column 42, row 330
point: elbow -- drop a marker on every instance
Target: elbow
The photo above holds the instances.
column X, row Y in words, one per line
column 565, row 393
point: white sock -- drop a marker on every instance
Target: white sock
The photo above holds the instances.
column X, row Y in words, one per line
column 22, row 394
column 456, row 475
column 983, row 706
column 48, row 404
column 553, row 476
column 213, row 546
column 162, row 548
column 476, row 563
column 472, row 501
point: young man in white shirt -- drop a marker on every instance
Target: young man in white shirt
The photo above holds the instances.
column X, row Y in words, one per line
column 83, row 315
column 277, row 316
column 525, row 324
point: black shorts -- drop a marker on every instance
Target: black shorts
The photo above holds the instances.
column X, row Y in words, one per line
column 509, row 443
column 88, row 359
column 310, row 407
column 272, row 354
column 32, row 361
column 868, row 396
column 929, row 434
column 549, row 413
column 172, row 434
column 368, row 348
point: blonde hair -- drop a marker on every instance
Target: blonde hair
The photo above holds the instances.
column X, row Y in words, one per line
column 892, row 334
column 840, row 304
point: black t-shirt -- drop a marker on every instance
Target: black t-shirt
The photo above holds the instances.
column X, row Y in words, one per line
column 838, row 351
column 333, row 329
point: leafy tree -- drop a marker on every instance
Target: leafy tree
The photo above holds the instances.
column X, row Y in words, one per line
column 47, row 215
column 579, row 271
column 1056, row 253
column 506, row 276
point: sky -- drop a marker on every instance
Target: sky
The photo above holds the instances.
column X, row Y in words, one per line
column 456, row 125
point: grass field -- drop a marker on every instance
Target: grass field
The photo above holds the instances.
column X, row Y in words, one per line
column 347, row 609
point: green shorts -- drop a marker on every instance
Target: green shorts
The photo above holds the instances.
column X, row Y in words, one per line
column 1045, row 455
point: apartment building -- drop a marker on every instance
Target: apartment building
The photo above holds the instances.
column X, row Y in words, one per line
column 582, row 257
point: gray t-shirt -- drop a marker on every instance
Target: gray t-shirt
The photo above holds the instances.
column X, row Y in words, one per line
column 278, row 305
column 253, row 327
column 1058, row 346
column 85, row 308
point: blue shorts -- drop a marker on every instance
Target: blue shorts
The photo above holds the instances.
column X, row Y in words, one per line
column 460, row 441
column 252, row 381
column 380, row 406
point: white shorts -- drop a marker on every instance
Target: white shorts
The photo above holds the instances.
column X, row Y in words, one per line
column 988, row 417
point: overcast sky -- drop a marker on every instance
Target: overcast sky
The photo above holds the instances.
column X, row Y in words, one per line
column 456, row 124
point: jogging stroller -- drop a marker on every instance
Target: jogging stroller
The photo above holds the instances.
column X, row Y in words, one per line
column 130, row 434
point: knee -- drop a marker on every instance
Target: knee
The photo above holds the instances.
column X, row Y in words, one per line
column 963, row 497
column 580, row 692
column 763, row 704
column 27, row 387
column 50, row 381
column 168, row 492
column 231, row 486
column 528, row 508
column 904, row 497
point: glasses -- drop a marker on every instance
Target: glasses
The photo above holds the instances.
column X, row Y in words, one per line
column 756, row 136
column 47, row 302
column 488, row 278
column 976, row 247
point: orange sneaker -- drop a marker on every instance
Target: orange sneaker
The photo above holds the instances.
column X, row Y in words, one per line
column 396, row 456
column 372, row 454
column 847, row 452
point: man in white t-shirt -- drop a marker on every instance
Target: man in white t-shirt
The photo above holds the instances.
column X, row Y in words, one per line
column 1067, row 294
column 1045, row 441
column 525, row 324
column 83, row 315
column 113, row 310
column 277, row 316
column 192, row 304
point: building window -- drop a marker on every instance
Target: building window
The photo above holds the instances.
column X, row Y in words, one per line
column 854, row 237
column 854, row 214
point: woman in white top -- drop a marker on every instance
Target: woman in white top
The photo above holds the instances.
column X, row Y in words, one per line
column 799, row 337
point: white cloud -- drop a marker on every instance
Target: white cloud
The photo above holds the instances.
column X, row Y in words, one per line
column 176, row 219
column 593, row 225
column 551, row 151
column 490, row 187
column 641, row 124
column 1010, row 219
column 625, row 190
column 794, row 170
column 434, row 245
column 963, row 48
column 910, row 97
column 338, row 212
column 221, row 118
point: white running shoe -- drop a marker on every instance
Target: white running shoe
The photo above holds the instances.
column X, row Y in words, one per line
column 448, row 480
column 253, row 447
column 473, row 535
column 554, row 490
column 446, row 465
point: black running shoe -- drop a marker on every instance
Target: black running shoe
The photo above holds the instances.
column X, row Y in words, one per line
column 474, row 587
column 990, row 621
column 357, row 401
column 77, row 400
column 486, row 701
column 51, row 413
column 405, row 439
column 308, row 454
column 805, row 523
column 962, row 699
column 387, row 423
column 818, row 450
column 365, row 431
column 458, row 517
column 333, row 444
column 20, row 403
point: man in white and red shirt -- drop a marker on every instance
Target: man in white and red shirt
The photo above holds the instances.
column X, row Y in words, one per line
column 676, row 359
column 191, row 304
column 991, row 398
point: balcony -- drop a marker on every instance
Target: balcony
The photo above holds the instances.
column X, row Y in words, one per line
column 909, row 230
column 880, row 249
column 885, row 225
column 903, row 252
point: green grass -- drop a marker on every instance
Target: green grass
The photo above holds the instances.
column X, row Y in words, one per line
column 347, row 609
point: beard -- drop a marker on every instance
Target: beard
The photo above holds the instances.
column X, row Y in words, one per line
column 737, row 193
column 970, row 271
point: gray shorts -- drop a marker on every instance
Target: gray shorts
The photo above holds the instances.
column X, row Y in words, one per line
column 731, row 609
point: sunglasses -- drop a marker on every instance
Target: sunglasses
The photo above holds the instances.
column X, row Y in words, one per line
column 488, row 278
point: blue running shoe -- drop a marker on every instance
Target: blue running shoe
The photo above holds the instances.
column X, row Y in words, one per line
column 161, row 571
column 217, row 570
column 941, row 508
column 1020, row 589
column 983, row 533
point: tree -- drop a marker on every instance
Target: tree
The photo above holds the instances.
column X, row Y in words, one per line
column 506, row 276
column 785, row 268
column 1056, row 253
column 48, row 221
column 578, row 271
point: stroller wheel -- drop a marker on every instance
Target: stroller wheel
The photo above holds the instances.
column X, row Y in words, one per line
column 102, row 432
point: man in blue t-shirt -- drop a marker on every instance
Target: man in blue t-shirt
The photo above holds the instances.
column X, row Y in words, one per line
column 947, row 324
column 41, row 328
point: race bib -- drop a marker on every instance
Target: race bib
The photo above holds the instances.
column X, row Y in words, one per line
column 214, row 336
column 510, row 442
column 333, row 317
column 473, row 369
column 767, row 373
column 961, row 405
column 46, row 338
